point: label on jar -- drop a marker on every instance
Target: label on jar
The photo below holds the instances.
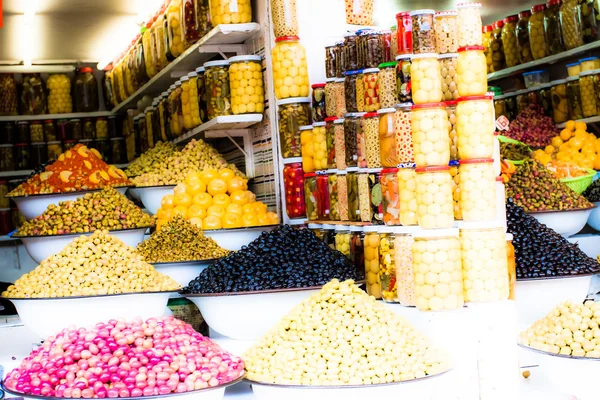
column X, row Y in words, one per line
column 233, row 6
column 502, row 123
column 424, row 25
column 357, row 6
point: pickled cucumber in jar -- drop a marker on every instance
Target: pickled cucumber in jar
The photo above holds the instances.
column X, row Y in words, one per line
column 33, row 95
column 497, row 48
column 522, row 32
column 510, row 42
column 218, row 96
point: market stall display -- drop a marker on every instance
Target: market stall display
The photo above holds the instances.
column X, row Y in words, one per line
column 532, row 127
column 149, row 159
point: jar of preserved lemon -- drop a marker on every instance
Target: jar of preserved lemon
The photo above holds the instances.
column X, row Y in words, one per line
column 407, row 186
column 246, row 82
column 308, row 146
column 475, row 126
column 230, row 12
column 574, row 69
column 477, row 189
column 426, row 78
column 431, row 142
column 290, row 70
column 537, row 39
column 189, row 102
column 371, row 249
column 590, row 92
column 522, row 32
column 472, row 71
column 176, row 37
column 320, row 146
column 469, row 24
column 435, row 208
column 509, row 40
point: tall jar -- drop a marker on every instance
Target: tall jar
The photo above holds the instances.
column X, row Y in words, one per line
column 403, row 133
column 450, row 77
column 246, row 83
column 59, row 94
column 36, row 132
column 332, row 182
column 218, row 94
column 455, row 174
column 387, row 138
column 310, row 195
column 574, row 98
column 141, row 77
column 469, row 24
column 394, row 42
column 431, row 142
column 407, row 186
column 148, row 115
column 435, row 208
column 452, row 121
column 364, row 195
column 387, row 267
column 376, row 194
column 426, row 79
column 290, row 70
column 372, row 103
column 340, row 61
column 371, row 133
column 330, row 140
column 484, row 262
column 189, row 103
column 339, row 141
column 331, row 58
column 353, row 197
column 329, row 97
column 571, row 24
column 342, row 240
column 175, row 111
column 387, row 89
column 196, row 113
column 371, row 249
column 553, row 28
column 523, row 42
column 8, row 88
column 340, row 97
column 357, row 252
column 322, row 196
column 509, row 41
column 487, row 44
column 391, row 196
column 477, row 189
column 404, row 32
column 403, row 77
column 446, row 40
column 319, row 112
column 472, row 71
column 590, row 21
column 293, row 113
column 320, row 146
column 33, row 95
column 293, row 182
column 88, row 129
column 403, row 260
column 86, row 91
column 360, row 91
column 307, row 148
column 142, row 134
column 361, row 144
column 352, row 130
column 590, row 92
column 475, row 126
column 423, row 33
column 537, row 40
column 149, row 51
column 50, row 130
column 497, row 47
column 350, row 52
column 157, row 42
column 374, row 49
column 230, row 12
column 359, row 12
column 342, row 195
column 176, row 37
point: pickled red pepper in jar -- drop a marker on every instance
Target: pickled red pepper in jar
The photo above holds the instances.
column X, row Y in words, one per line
column 293, row 181
column 426, row 79
column 330, row 140
column 370, row 130
column 522, row 32
column 477, row 189
column 472, row 71
column 431, row 142
column 403, row 77
column 469, row 24
column 371, row 250
column 322, row 196
column 475, row 126
column 407, row 186
column 339, row 144
column 509, row 41
column 403, row 133
column 370, row 84
column 342, row 195
column 387, row 138
column 387, row 268
column 435, row 208
column 391, row 196
column 404, row 32
column 290, row 70
column 310, row 195
column 445, row 28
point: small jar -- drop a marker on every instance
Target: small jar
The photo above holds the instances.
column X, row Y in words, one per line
column 7, row 157
column 484, row 262
column 232, row 12
column 431, row 142
column 8, row 132
column 477, row 189
column 364, row 195
column 571, row 24
column 218, row 95
column 290, row 81
column 426, row 79
column 88, row 129
column 590, row 20
column 331, row 59
column 438, row 270
column 340, row 66
column 403, row 133
column 329, row 97
column 374, row 49
column 339, row 141
column 76, row 130
column 403, row 77
column 472, row 71
column 352, row 130
column 452, row 120
column 22, row 156
column 361, row 144
column 475, row 126
column 450, row 78
column 9, row 90
column 403, row 260
column 318, row 230
column 350, row 91
column 246, row 84
column 101, row 129
column 404, row 32
column 54, row 150
column 445, row 28
column 509, row 40
column 574, row 98
column 434, row 197
column 588, row 82
column 118, row 150
column 36, row 132
column 293, row 114
column 330, row 140
column 574, row 69
column 388, row 153
column 552, row 28
column 387, row 267
column 537, row 40
column 372, row 103
column 391, row 196
column 351, row 52
column 394, row 42
column 455, row 174
column 342, row 240
column 512, row 266
column 497, row 47
column 387, row 89
column 332, row 187
column 589, row 63
column 39, row 154
column 371, row 133
column 522, row 32
column 320, row 146
column 319, row 112
column 23, row 135
column 293, row 182
column 372, row 269
column 469, row 24
column 189, row 104
column 353, row 197
column 487, row 45
column 310, row 196
column 423, row 32
column 340, row 97
column 342, row 195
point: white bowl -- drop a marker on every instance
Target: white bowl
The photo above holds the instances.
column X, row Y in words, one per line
column 183, row 271
column 594, row 218
column 535, row 298
column 33, row 205
column 565, row 223
column 234, row 239
column 248, row 315
column 42, row 247
column 49, row 316
column 573, row 376
column 151, row 196
column 133, row 192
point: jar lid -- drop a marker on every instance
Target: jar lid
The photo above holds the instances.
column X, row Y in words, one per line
column 572, row 78
column 38, row 144
column 7, row 145
column 306, row 128
column 21, row 144
column 435, row 233
column 287, row 39
column 539, row 71
column 309, row 174
column 403, row 56
column 54, row 142
column 115, row 138
column 538, row 8
column 406, row 230
column 318, row 124
column 471, row 48
column 588, row 59
column 479, row 225
column 525, row 14
column 446, row 13
column 292, row 160
column 148, row 109
column 330, row 80
column 403, row 14
column 498, row 24
column 499, row 179
column 370, row 115
column 385, row 229
column 511, row 18
column 509, row 236
column 487, row 28
column 453, row 163
column 184, row 79
column 171, row 88
column 332, row 171
column 353, row 115
column 574, row 64
column 200, row 70
column 407, row 165
column 388, row 64
column 341, row 172
column 553, row 3
column 422, row 12
column 192, row 75
column 24, row 123
column 424, row 55
column 404, row 106
column 339, row 80
column 363, row 170
column 318, row 85
column 451, row 103
column 389, row 170
column 164, row 94
column 370, row 70
column 476, row 161
column 178, row 83
column 219, row 63
column 245, row 58
column 342, row 228
column 352, row 169
column 330, row 119
column 293, row 100
column 338, row 121
column 462, row 5
column 371, row 228
column 386, row 111
column 474, row 98
column 433, row 168
column 85, row 69
column 447, row 55
column 428, row 105
column 314, row 226
column 590, row 72
column 374, row 170
column 329, row 227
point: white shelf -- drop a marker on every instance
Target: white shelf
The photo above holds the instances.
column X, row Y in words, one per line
column 43, row 117
column 589, row 120
column 193, row 57
column 227, row 122
column 26, row 172
column 494, row 76
column 6, row 238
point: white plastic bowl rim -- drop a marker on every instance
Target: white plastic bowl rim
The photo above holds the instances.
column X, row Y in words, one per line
column 546, row 278
column 591, row 359
column 76, row 234
column 122, row 189
column 192, row 263
column 85, row 297
column 560, row 211
column 243, row 228
column 141, row 188
column 258, row 292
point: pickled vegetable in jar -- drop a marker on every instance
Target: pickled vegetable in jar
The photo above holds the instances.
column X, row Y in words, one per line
column 246, row 83
column 371, row 250
column 7, row 157
column 158, row 45
column 50, row 131
column 128, row 72
column 230, row 12
column 376, row 195
column 218, row 95
column 189, row 101
column 340, row 97
column 359, row 12
column 376, row 49
column 537, row 38
column 175, row 111
column 39, row 154
column 590, row 92
column 307, row 148
column 431, row 141
column 290, row 70
column 472, row 71
column 293, row 182
column 22, row 132
column 33, row 95
column 552, row 28
column 319, row 146
column 455, row 174
column 574, row 98
column 523, row 100
column 574, row 69
column 509, row 41
column 339, row 144
column 452, row 121
column 332, row 182
column 88, row 129
column 149, row 56
column 322, row 197
column 329, row 235
column 394, row 42
column 119, row 83
column 477, row 189
column 8, row 88
column 387, row 138
column 342, row 195
column 176, row 37
column 202, row 101
column 423, row 32
column 340, row 62
column 391, row 196
column 589, row 63
column 141, row 77
column 475, row 126
column 484, row 262
column 59, row 94
column 352, row 130
column 448, row 68
column 435, row 208
column 22, row 156
column 360, row 91
column 370, row 128
column 403, row 133
column 446, row 32
column 404, row 32
column 108, row 91
column 310, row 195
column 353, row 196
column 331, row 59
column 469, row 24
column 387, row 268
column 590, row 20
column 403, row 77
column 407, row 187
column 294, row 113
column 364, row 196
column 512, row 266
column 522, row 32
column 571, row 24
column 148, row 115
column 497, row 47
column 350, row 52
column 372, row 103
column 426, row 79
column 342, row 240
column 330, row 141
column 487, row 44
column 319, row 112
column 86, row 91
column 189, row 21
column 36, row 132
column 387, row 89
column 403, row 260
column 329, row 97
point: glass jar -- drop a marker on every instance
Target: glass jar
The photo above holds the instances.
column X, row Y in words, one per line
column 86, row 91
column 118, row 150
column 523, row 100
column 36, row 132
column 189, row 103
column 231, row 12
column 330, row 108
column 375, row 49
column 435, row 208
column 475, row 126
column 322, row 197
column 446, row 32
column 394, row 42
column 342, row 195
column 571, row 24
column 291, row 81
column 307, row 148
column 484, row 262
column 330, row 140
column 426, row 79
column 509, row 40
column 352, row 130
column 372, row 270
column 22, row 132
column 103, row 147
column 364, row 195
column 141, row 76
column 339, row 141
column 59, row 94
column 7, row 157
column 403, row 260
column 342, row 240
column 387, row 84
column 372, row 103
column 477, row 189
column 590, row 93
column 359, row 12
column 218, row 95
column 22, row 156
column 350, row 52
column 293, row 114
column 33, row 95
column 148, row 50
column 175, row 37
column 431, row 143
column 202, row 100
column 319, row 112
column 175, row 111
column 69, row 144
column 403, row 133
column 119, row 82
column 8, row 88
column 487, row 45
column 293, row 181
column 75, row 130
column 452, row 120
column 320, row 146
column 574, row 98
column 391, row 196
column 590, row 20
column 455, row 174
column 329, row 235
column 552, row 28
column 353, row 196
column 574, row 69
column 54, row 150
column 246, row 81
column 88, row 129
column 522, row 32
column 332, row 182
column 370, row 128
column 469, row 24
column 318, row 230
column 8, row 132
column 340, row 97
column 448, row 68
column 310, row 195
column 387, row 268
column 189, row 21
column 148, row 116
column 39, row 154
column 101, row 129
column 340, row 62
column 403, row 78
column 376, row 195
column 438, row 288
column 163, row 113
column 589, row 63
column 357, row 252
column 512, row 266
column 404, row 32
column 331, row 61
column 407, row 187
column 497, row 47
column 537, row 40
column 4, row 201
column 388, row 148
column 472, row 71
column 423, row 33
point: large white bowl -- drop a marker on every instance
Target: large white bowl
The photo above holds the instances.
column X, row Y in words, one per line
column 33, row 205
column 151, row 196
column 248, row 315
column 183, row 271
column 49, row 316
column 42, row 247
column 234, row 239
column 565, row 223
column 574, row 376
column 535, row 298
column 594, row 218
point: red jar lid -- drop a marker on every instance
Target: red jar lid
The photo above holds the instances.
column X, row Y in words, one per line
column 330, row 119
column 525, row 14
column 451, row 103
column 488, row 28
column 403, row 14
column 471, row 98
column 309, row 174
column 551, row 3
column 389, row 170
column 476, row 161
column 86, row 69
column 286, row 39
column 21, row 144
column 318, row 85
column 538, row 8
column 370, row 115
column 433, row 168
column 428, row 105
column 511, row 18
column 471, row 48
column 49, row 121
column 498, row 24
column 3, row 182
